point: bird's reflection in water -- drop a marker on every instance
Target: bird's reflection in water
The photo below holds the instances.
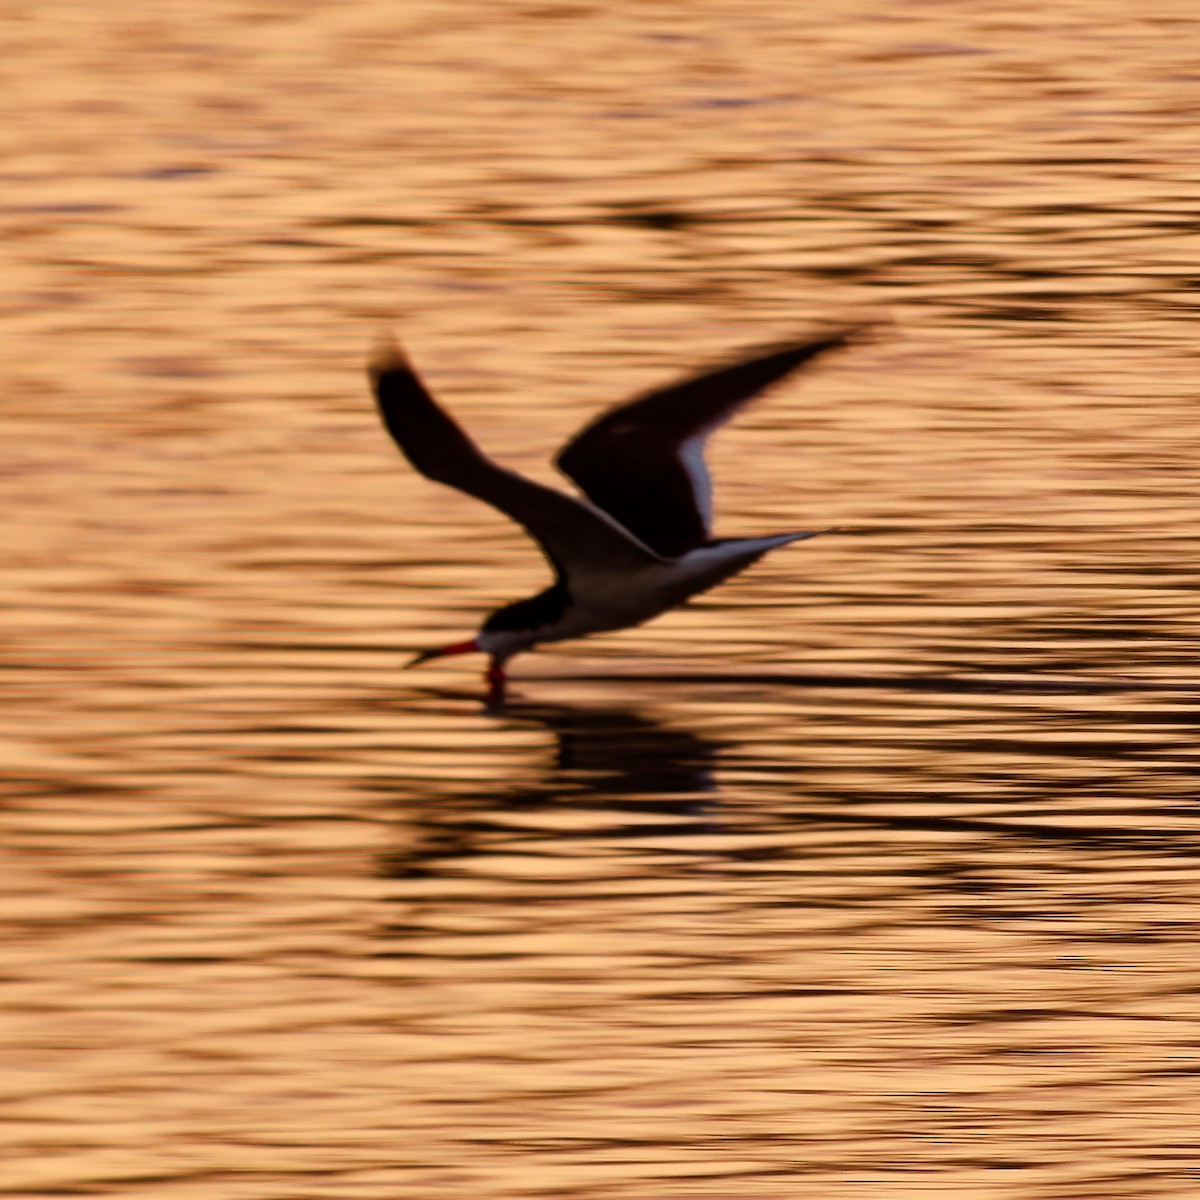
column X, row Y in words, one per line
column 620, row 773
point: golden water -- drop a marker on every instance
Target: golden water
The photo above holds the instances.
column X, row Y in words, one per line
column 873, row 874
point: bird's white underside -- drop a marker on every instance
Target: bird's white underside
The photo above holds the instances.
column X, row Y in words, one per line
column 691, row 455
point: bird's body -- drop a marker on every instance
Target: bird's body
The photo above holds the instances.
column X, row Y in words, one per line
column 640, row 543
column 609, row 601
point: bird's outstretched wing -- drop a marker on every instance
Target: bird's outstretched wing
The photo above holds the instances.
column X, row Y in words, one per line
column 573, row 534
column 643, row 461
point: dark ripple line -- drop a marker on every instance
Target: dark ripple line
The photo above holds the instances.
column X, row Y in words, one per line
column 1185, row 846
column 918, row 683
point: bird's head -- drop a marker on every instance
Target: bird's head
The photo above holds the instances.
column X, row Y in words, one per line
column 511, row 629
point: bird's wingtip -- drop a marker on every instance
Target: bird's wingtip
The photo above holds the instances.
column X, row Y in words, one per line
column 387, row 355
column 854, row 328
column 839, row 333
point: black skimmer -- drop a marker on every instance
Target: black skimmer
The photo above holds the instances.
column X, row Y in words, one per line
column 640, row 543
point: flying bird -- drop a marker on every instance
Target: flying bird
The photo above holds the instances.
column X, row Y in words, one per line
column 641, row 541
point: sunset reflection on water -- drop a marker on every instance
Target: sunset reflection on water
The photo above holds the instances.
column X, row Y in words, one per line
column 873, row 873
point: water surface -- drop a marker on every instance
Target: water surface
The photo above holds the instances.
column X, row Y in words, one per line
column 872, row 874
